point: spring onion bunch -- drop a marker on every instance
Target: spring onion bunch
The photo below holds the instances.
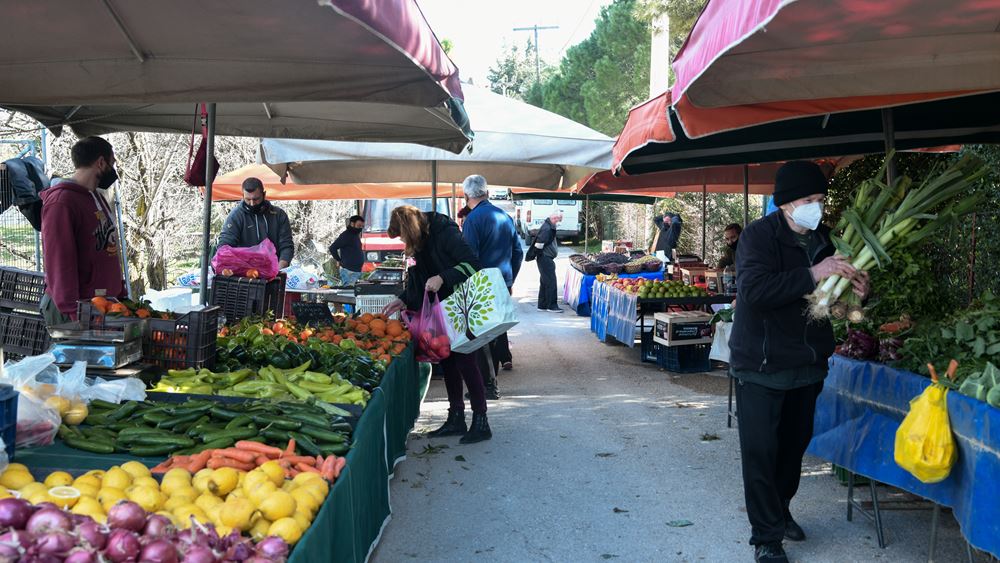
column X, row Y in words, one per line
column 883, row 218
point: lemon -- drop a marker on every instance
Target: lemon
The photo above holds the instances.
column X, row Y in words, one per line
column 277, row 506
column 58, row 479
column 109, row 496
column 223, row 481
column 116, row 478
column 186, row 492
column 223, row 531
column 87, row 490
column 76, row 414
column 87, row 505
column 14, row 478
column 99, row 473
column 64, row 497
column 177, row 474
column 200, row 482
column 238, row 513
column 304, row 500
column 38, row 498
column 4, row 493
column 315, row 490
column 169, row 515
column 59, row 403
column 288, row 486
column 207, row 500
column 146, row 497
column 32, row 489
column 255, row 478
column 170, row 485
column 173, row 503
column 17, row 467
column 259, row 529
column 286, row 529
column 274, row 471
column 259, row 494
column 215, row 513
column 87, row 481
column 146, row 482
column 136, row 469
column 185, row 513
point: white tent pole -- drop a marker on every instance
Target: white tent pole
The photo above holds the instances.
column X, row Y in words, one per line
column 206, row 226
column 704, row 221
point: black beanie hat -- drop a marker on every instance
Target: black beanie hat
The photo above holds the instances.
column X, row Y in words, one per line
column 798, row 179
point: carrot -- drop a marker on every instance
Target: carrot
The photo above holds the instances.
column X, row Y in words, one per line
column 261, row 460
column 198, row 461
column 259, row 448
column 339, row 466
column 217, row 462
column 328, row 467
column 163, row 467
column 306, row 459
column 239, row 455
column 290, row 450
column 305, row 467
column 319, row 461
column 291, row 473
column 285, row 463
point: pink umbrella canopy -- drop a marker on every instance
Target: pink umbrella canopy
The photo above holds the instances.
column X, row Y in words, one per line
column 748, row 62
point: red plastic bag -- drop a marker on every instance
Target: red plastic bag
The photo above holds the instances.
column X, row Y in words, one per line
column 428, row 329
column 262, row 258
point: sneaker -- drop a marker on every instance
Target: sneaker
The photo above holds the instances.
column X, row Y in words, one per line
column 793, row 532
column 555, row 310
column 770, row 553
column 507, row 366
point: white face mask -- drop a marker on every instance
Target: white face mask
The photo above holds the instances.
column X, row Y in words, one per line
column 808, row 215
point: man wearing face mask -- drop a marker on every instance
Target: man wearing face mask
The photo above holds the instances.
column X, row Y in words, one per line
column 732, row 237
column 79, row 237
column 254, row 220
column 777, row 353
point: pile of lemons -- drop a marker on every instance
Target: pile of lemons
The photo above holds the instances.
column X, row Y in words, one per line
column 259, row 503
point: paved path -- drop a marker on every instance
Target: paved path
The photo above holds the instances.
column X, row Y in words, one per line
column 595, row 457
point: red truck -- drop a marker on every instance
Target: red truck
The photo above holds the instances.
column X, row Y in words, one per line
column 375, row 242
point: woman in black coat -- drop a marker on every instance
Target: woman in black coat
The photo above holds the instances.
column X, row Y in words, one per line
column 442, row 261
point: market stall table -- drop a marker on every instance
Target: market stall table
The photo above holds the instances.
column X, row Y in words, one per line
column 857, row 416
column 577, row 288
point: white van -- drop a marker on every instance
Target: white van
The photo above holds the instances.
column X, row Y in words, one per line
column 529, row 214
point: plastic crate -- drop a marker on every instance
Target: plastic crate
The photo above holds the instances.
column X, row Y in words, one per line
column 91, row 317
column 649, row 351
column 8, row 418
column 186, row 342
column 686, row 359
column 23, row 335
column 244, row 297
column 842, row 473
column 373, row 304
column 21, row 290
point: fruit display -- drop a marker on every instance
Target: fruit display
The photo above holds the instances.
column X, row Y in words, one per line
column 584, row 264
column 268, row 382
column 148, row 428
column 645, row 263
column 605, row 258
column 71, row 412
column 656, row 289
column 127, row 308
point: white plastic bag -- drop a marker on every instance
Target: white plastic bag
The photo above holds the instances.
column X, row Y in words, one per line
column 720, row 342
column 116, row 391
column 299, row 278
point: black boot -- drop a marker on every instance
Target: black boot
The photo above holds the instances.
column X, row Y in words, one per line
column 479, row 431
column 454, row 426
column 492, row 391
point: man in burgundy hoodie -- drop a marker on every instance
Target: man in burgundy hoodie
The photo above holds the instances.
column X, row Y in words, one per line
column 79, row 238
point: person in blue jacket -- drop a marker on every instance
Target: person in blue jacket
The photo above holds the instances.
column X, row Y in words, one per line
column 490, row 232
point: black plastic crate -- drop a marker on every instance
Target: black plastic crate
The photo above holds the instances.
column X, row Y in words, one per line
column 8, row 418
column 23, row 335
column 87, row 314
column 649, row 351
column 245, row 297
column 692, row 358
column 188, row 341
column 21, row 290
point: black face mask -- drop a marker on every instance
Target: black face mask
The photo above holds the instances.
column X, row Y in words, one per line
column 732, row 244
column 256, row 209
column 107, row 178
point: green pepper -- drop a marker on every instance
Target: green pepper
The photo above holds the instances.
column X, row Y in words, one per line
column 280, row 360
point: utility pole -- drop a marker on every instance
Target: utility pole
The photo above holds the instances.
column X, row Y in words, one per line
column 536, row 28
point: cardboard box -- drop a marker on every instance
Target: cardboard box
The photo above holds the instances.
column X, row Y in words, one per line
column 693, row 276
column 713, row 281
column 682, row 328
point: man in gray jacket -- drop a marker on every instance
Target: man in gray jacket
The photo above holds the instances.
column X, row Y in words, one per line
column 254, row 220
column 547, row 249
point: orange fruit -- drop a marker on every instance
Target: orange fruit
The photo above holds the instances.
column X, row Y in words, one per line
column 143, row 313
column 253, row 274
column 394, row 328
column 120, row 309
column 366, row 318
column 100, row 303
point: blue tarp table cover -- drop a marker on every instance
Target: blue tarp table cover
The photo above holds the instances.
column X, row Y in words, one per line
column 857, row 415
column 577, row 288
column 613, row 313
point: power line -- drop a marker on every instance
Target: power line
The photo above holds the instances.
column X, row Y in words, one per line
column 536, row 28
column 576, row 28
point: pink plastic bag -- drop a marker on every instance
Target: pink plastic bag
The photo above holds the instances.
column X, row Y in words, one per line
column 428, row 330
column 263, row 258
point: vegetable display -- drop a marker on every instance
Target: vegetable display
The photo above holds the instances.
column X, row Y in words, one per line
column 149, row 429
column 882, row 218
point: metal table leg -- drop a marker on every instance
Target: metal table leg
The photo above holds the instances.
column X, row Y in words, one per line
column 935, row 517
column 731, row 414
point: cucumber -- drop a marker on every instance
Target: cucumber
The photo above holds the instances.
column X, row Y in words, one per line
column 102, row 405
column 275, row 422
column 217, row 444
column 238, row 422
column 124, row 411
column 152, row 451
column 89, row 445
column 341, row 427
column 275, row 435
column 309, row 418
column 179, row 419
column 323, row 435
column 65, row 431
column 150, row 440
column 155, row 417
column 340, row 449
column 306, row 443
column 225, row 414
column 198, row 430
column 234, row 434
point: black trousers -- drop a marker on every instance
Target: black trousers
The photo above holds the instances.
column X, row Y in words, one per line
column 775, row 429
column 547, row 298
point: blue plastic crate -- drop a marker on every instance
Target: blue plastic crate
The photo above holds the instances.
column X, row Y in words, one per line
column 693, row 358
column 8, row 418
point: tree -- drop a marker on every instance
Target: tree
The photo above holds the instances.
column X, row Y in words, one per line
column 447, row 45
column 513, row 73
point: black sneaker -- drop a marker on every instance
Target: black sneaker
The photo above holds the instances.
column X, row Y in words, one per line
column 793, row 532
column 507, row 366
column 555, row 310
column 770, row 553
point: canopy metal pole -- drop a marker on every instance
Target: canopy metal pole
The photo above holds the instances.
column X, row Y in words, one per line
column 454, row 201
column 206, row 226
column 586, row 224
column 434, row 185
column 746, row 195
column 889, row 131
column 704, row 221
column 123, row 245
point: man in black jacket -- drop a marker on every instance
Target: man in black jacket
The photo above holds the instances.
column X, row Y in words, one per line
column 346, row 250
column 778, row 354
column 254, row 220
column 547, row 248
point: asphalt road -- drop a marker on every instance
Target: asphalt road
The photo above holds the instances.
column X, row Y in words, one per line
column 598, row 457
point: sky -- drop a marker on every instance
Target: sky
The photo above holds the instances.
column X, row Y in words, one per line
column 479, row 29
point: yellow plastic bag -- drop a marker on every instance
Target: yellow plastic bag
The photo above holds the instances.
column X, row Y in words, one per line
column 924, row 444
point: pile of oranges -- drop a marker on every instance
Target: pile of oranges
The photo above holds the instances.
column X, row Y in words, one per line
column 113, row 307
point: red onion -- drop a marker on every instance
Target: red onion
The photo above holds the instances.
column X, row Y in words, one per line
column 127, row 515
column 93, row 534
column 48, row 520
column 9, row 553
column 14, row 512
column 239, row 551
column 199, row 554
column 273, row 547
column 158, row 525
column 261, row 559
column 40, row 558
column 159, row 551
column 54, row 543
column 17, row 537
column 123, row 545
column 43, row 505
column 80, row 555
